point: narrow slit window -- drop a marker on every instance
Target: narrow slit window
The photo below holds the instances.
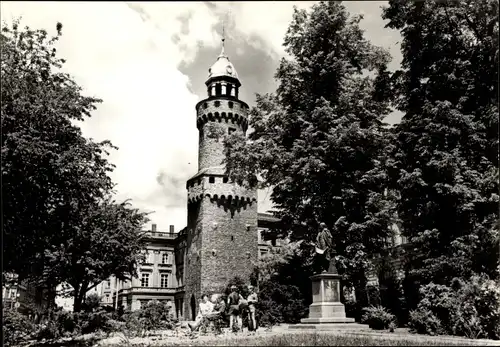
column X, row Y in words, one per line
column 232, row 237
column 211, row 179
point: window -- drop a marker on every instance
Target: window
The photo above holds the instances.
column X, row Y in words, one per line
column 205, row 105
column 107, row 298
column 230, row 103
column 108, row 284
column 229, row 90
column 232, row 238
column 231, row 130
column 149, row 257
column 224, row 180
column 217, row 92
column 164, row 280
column 164, row 258
column 211, row 179
column 145, row 280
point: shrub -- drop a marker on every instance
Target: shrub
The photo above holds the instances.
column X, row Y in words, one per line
column 423, row 321
column 90, row 322
column 92, row 303
column 16, row 327
column 466, row 308
column 155, row 315
column 284, row 285
column 377, row 317
column 279, row 303
column 478, row 312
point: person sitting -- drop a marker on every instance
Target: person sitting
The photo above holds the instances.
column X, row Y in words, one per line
column 215, row 316
column 206, row 307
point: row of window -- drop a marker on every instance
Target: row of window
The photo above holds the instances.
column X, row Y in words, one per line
column 211, row 179
column 223, row 89
column 149, row 259
column 145, row 280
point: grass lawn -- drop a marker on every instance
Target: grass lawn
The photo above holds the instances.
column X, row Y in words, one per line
column 306, row 339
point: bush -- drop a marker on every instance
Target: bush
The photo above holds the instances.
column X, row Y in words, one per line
column 90, row 322
column 466, row 308
column 17, row 328
column 423, row 321
column 279, row 304
column 377, row 317
column 155, row 315
column 92, row 303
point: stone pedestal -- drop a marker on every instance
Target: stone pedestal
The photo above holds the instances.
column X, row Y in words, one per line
column 326, row 306
column 326, row 312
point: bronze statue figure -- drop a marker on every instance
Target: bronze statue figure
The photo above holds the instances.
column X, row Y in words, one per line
column 324, row 259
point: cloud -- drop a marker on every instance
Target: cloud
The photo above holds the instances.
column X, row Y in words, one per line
column 148, row 62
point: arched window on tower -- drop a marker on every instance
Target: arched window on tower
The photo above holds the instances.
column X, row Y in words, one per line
column 229, row 89
column 217, row 89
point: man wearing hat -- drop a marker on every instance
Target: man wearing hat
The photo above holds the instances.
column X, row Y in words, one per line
column 252, row 301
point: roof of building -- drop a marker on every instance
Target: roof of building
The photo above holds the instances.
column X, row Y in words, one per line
column 222, row 67
column 267, row 217
column 214, row 170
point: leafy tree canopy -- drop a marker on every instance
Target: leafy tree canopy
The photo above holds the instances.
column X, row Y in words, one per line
column 445, row 163
column 59, row 222
column 319, row 140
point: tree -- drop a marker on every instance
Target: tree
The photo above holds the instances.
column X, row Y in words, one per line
column 107, row 243
column 284, row 288
column 445, row 165
column 50, row 172
column 319, row 140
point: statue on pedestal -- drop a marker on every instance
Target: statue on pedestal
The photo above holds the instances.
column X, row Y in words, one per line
column 324, row 258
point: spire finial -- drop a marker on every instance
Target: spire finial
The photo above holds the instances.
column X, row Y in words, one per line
column 222, row 53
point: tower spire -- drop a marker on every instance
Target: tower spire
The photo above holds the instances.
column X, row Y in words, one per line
column 222, row 53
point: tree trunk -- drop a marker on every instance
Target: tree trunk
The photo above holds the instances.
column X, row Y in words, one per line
column 77, row 299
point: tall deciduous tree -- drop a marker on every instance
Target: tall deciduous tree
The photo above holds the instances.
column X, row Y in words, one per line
column 319, row 140
column 446, row 163
column 107, row 242
column 58, row 222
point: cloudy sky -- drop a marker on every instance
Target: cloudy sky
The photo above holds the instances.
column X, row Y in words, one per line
column 148, row 61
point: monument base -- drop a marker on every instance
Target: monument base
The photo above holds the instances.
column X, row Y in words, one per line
column 339, row 326
column 327, row 312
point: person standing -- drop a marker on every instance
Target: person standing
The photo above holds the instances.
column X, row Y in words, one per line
column 252, row 301
column 233, row 301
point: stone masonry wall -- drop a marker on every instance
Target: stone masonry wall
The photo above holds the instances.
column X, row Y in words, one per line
column 230, row 243
column 214, row 123
column 192, row 263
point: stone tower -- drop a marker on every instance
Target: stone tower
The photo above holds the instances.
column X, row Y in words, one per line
column 222, row 216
